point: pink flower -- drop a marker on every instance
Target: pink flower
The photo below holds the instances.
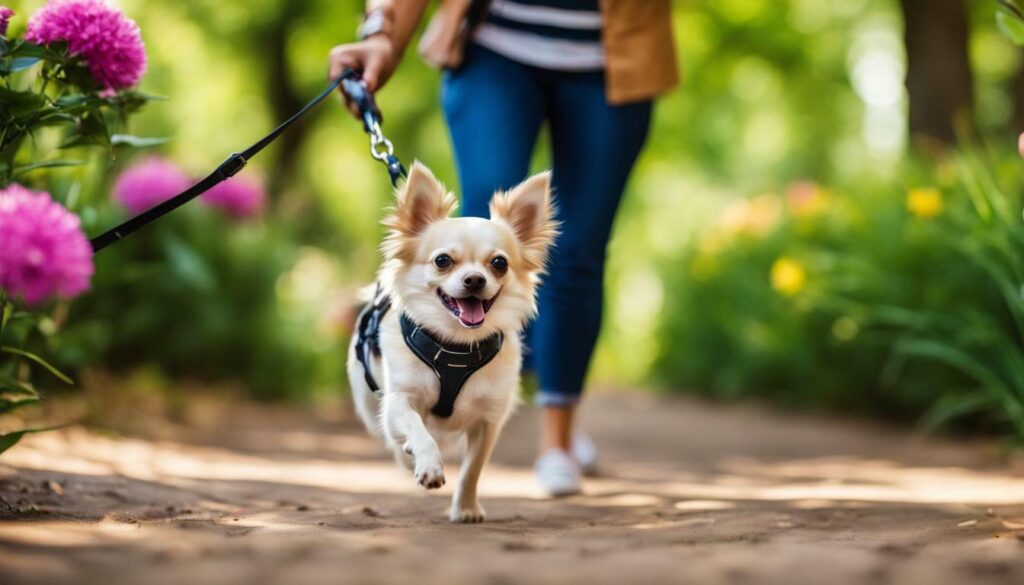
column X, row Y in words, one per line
column 108, row 41
column 5, row 19
column 239, row 197
column 149, row 183
column 43, row 252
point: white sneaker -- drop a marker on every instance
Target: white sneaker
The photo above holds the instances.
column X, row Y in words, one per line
column 584, row 451
column 557, row 473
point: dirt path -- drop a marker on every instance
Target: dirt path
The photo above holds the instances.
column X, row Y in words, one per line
column 691, row 493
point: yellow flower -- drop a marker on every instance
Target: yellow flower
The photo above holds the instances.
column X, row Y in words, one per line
column 924, row 202
column 788, row 276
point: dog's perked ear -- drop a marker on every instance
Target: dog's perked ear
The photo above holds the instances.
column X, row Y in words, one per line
column 529, row 210
column 420, row 201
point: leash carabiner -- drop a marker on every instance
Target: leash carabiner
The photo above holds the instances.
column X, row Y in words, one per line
column 381, row 148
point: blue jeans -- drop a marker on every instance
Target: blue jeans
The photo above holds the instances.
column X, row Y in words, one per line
column 494, row 108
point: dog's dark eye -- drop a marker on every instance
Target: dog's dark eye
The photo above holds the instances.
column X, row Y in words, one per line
column 500, row 264
column 443, row 261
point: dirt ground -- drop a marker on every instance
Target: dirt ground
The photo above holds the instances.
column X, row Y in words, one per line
column 690, row 492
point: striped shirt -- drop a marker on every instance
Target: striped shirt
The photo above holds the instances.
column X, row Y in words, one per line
column 564, row 35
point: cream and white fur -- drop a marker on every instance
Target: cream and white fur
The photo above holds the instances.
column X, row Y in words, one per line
column 521, row 229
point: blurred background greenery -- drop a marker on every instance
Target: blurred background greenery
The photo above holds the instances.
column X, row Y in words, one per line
column 828, row 213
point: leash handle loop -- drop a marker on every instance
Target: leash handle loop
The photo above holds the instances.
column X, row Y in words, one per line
column 355, row 90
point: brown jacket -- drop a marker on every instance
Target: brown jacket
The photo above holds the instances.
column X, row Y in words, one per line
column 640, row 56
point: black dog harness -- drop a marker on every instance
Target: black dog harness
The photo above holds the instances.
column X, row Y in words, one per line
column 453, row 363
column 368, row 333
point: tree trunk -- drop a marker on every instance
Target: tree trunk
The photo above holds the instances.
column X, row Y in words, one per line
column 283, row 99
column 938, row 70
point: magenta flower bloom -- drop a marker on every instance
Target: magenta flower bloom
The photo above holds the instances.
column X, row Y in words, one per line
column 5, row 19
column 103, row 36
column 239, row 197
column 149, row 183
column 43, row 252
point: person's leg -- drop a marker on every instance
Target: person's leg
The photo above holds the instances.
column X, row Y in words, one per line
column 594, row 148
column 494, row 108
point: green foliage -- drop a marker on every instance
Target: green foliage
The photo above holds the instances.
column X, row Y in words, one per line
column 898, row 299
column 1010, row 20
column 15, row 391
column 196, row 295
column 45, row 90
column 209, row 300
column 835, row 297
column 61, row 95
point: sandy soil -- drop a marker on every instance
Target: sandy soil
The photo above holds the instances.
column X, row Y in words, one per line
column 690, row 493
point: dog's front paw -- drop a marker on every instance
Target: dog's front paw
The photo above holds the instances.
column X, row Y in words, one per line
column 430, row 474
column 467, row 514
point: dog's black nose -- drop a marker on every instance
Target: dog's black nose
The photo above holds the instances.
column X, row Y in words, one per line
column 474, row 282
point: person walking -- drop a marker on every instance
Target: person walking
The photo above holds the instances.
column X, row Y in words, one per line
column 590, row 70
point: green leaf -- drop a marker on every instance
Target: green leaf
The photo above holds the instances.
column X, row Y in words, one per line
column 136, row 141
column 92, row 131
column 1011, row 6
column 17, row 388
column 27, row 49
column 55, row 118
column 33, row 357
column 49, row 164
column 956, row 358
column 79, row 104
column 8, row 310
column 72, row 100
column 22, row 63
column 973, row 367
column 951, row 407
column 20, row 102
column 11, row 439
column 1011, row 25
column 187, row 265
column 12, row 405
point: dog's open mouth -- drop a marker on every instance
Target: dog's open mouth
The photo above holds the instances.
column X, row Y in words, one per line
column 469, row 310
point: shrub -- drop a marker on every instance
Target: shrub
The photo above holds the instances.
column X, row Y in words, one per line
column 73, row 73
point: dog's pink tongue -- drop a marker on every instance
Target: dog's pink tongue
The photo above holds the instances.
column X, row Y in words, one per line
column 471, row 310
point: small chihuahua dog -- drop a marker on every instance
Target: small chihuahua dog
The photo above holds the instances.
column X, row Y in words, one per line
column 436, row 361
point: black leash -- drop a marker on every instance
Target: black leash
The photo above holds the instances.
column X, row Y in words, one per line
column 350, row 83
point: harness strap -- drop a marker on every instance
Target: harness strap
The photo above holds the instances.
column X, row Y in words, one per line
column 453, row 363
column 368, row 334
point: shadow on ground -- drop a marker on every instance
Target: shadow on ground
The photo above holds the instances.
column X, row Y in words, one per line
column 689, row 492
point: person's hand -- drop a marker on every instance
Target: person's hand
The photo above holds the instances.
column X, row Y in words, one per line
column 374, row 58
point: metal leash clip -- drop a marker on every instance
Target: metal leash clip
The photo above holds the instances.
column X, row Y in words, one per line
column 380, row 147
